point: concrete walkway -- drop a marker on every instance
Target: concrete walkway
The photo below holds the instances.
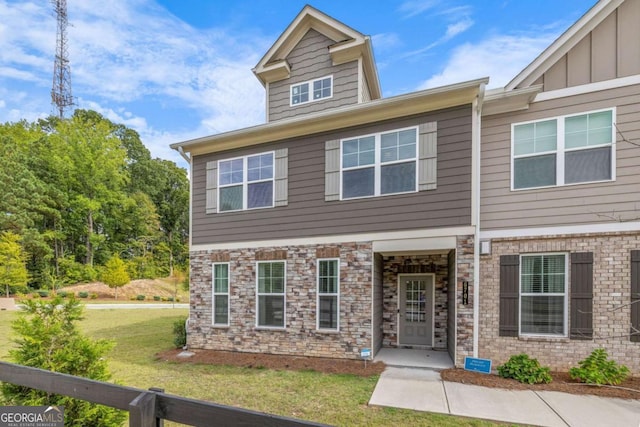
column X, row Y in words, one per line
column 423, row 390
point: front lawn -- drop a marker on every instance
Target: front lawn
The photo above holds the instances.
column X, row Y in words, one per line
column 326, row 398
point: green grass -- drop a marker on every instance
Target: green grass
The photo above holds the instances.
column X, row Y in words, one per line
column 331, row 399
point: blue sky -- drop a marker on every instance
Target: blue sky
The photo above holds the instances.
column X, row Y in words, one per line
column 180, row 69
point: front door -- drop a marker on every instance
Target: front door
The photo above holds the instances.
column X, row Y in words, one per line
column 415, row 323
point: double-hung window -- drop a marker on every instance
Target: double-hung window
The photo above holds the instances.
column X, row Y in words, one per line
column 564, row 150
column 379, row 164
column 246, row 182
column 221, row 294
column 312, row 90
column 543, row 294
column 271, row 300
column 328, row 303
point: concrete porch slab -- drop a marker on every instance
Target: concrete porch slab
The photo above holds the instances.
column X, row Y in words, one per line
column 404, row 357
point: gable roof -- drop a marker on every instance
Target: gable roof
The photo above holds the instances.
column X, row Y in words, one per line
column 349, row 45
column 564, row 44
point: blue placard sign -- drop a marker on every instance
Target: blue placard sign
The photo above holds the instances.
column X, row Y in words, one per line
column 365, row 353
column 477, row 365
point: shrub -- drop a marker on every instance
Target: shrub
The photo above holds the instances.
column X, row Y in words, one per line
column 170, row 299
column 48, row 338
column 525, row 369
column 83, row 294
column 157, row 298
column 180, row 332
column 598, row 369
column 62, row 294
column 93, row 295
column 140, row 297
column 43, row 293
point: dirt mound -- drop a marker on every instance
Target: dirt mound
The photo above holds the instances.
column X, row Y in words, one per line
column 164, row 288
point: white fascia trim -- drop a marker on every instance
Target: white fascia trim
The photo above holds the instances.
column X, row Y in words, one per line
column 610, row 227
column 588, row 88
column 323, row 240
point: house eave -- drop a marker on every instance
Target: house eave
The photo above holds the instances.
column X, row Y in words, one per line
column 339, row 118
column 498, row 101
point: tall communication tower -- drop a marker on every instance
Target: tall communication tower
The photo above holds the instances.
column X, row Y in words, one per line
column 61, row 97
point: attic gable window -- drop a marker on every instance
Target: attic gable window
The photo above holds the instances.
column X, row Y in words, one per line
column 312, row 90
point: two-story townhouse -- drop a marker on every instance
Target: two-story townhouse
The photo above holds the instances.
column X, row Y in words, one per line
column 346, row 221
column 560, row 198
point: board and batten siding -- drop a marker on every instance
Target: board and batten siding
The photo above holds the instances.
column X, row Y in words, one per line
column 610, row 51
column 309, row 60
column 586, row 203
column 307, row 214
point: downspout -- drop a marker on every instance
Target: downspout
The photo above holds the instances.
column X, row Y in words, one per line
column 188, row 160
column 184, row 156
column 476, row 119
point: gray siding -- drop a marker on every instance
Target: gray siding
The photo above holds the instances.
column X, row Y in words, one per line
column 610, row 51
column 308, row 214
column 309, row 60
column 603, row 202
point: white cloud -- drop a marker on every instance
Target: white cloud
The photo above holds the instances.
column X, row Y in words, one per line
column 501, row 57
column 412, row 8
column 131, row 52
column 385, row 41
column 457, row 28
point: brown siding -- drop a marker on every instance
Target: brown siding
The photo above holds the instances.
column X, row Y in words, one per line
column 309, row 60
column 611, row 50
column 502, row 208
column 307, row 213
column 628, row 29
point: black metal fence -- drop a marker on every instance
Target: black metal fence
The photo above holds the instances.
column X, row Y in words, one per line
column 147, row 408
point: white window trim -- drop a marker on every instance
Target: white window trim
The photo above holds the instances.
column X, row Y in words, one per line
column 214, row 294
column 377, row 165
column 284, row 295
column 561, row 150
column 310, row 85
column 336, row 294
column 565, row 325
column 245, row 182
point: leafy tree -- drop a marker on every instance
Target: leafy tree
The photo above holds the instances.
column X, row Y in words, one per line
column 47, row 338
column 78, row 190
column 13, row 272
column 115, row 274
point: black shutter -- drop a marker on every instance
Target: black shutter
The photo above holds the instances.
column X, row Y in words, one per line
column 509, row 295
column 635, row 296
column 581, row 315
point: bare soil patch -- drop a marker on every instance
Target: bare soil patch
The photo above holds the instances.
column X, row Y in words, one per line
column 630, row 389
column 276, row 362
column 147, row 287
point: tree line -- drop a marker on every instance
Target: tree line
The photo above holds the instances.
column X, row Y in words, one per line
column 78, row 192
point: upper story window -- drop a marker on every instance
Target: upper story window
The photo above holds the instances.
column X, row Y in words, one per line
column 313, row 90
column 246, row 182
column 563, row 150
column 379, row 164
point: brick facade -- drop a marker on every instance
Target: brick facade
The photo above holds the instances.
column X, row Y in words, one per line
column 611, row 296
column 300, row 336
